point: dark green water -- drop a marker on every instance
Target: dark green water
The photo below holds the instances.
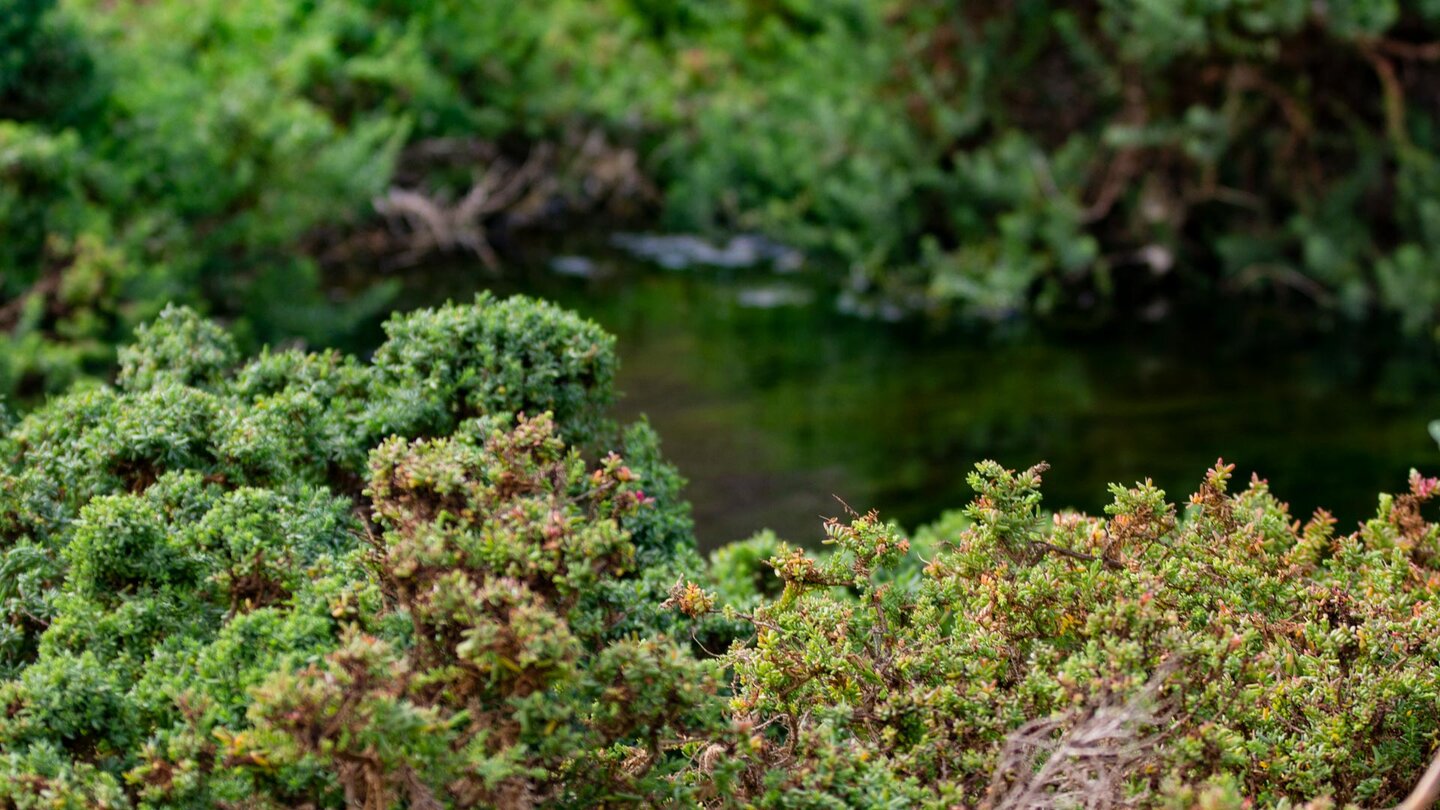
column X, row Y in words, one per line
column 772, row 404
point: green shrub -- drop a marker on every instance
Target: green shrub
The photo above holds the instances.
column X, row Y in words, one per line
column 1229, row 653
column 1003, row 158
column 304, row 580
column 134, row 173
column 187, row 556
column 508, row 693
column 510, row 357
column 46, row 71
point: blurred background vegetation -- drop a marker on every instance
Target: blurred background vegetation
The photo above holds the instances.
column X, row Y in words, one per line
column 1247, row 188
column 982, row 160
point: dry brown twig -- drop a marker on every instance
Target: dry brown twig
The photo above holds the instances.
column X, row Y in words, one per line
column 1427, row 790
column 583, row 171
column 433, row 225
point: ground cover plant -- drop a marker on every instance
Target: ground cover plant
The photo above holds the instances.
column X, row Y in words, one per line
column 442, row 578
column 985, row 161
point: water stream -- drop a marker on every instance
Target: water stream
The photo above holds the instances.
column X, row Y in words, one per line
column 773, row 402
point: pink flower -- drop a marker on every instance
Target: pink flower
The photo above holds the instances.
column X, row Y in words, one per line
column 1422, row 487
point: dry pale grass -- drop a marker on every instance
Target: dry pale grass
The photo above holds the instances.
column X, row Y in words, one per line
column 1085, row 758
column 1082, row 758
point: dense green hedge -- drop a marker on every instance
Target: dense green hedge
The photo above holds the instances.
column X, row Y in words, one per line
column 300, row 580
column 986, row 159
column 213, row 531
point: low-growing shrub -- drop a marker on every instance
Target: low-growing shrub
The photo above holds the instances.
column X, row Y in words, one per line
column 1225, row 657
column 444, row 579
column 212, row 569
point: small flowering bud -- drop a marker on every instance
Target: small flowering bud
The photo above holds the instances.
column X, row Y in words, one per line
column 344, row 607
column 794, row 567
column 690, row 599
column 1423, row 488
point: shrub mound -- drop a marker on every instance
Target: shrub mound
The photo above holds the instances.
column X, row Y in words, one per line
column 444, row 579
column 213, row 569
column 1018, row 659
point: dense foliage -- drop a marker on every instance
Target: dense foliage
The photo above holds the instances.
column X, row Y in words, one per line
column 213, row 532
column 1025, row 659
column 986, row 158
column 301, row 580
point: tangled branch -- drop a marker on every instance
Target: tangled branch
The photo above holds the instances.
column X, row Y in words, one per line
column 428, row 224
column 1080, row 758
